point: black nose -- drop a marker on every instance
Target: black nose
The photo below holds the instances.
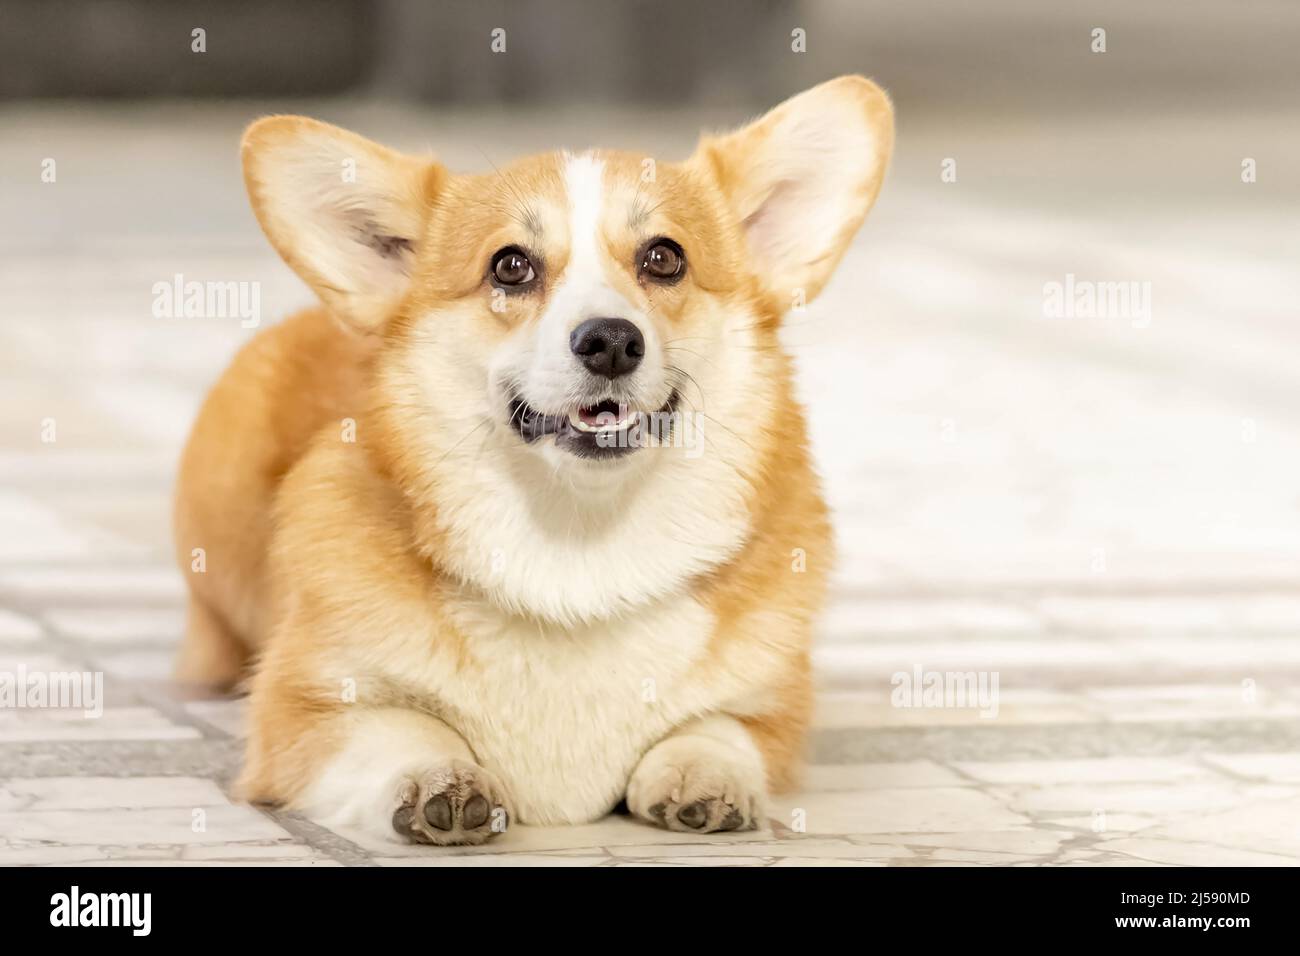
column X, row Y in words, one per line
column 608, row 347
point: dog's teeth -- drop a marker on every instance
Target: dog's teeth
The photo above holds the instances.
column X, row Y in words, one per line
column 575, row 419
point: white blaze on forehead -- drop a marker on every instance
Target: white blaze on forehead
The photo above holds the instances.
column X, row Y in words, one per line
column 584, row 291
column 544, row 365
column 584, row 182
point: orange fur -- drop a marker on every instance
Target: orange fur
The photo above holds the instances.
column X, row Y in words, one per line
column 255, row 424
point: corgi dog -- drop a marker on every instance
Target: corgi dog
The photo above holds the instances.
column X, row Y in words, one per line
column 520, row 522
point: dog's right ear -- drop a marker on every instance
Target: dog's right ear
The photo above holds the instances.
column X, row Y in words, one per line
column 345, row 213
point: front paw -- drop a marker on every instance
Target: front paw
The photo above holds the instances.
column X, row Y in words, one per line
column 698, row 785
column 457, row 803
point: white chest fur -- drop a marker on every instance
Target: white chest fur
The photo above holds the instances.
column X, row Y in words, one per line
column 562, row 715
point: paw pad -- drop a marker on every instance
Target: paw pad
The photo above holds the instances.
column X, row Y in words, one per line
column 455, row 804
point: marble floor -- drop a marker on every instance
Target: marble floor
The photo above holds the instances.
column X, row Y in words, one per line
column 1098, row 520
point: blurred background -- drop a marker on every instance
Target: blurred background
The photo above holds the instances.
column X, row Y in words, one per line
column 1102, row 510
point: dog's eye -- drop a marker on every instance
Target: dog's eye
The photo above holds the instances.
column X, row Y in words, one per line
column 663, row 260
column 511, row 267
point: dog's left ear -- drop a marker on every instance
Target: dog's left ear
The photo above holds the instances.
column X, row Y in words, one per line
column 801, row 179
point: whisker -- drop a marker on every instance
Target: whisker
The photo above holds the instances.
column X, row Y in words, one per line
column 485, row 421
column 681, row 371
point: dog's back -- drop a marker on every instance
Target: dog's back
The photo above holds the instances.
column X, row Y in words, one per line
column 290, row 381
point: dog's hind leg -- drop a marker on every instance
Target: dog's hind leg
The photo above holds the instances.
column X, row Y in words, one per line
column 211, row 654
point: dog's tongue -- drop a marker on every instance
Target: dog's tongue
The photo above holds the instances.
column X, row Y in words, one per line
column 606, row 413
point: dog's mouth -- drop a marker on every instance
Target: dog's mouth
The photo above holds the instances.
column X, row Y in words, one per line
column 607, row 429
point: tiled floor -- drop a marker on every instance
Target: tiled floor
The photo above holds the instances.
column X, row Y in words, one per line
column 1104, row 518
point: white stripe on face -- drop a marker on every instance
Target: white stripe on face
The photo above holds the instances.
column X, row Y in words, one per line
column 584, row 292
column 552, row 379
column 584, row 182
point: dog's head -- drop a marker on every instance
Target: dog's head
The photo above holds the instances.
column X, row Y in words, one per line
column 589, row 316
